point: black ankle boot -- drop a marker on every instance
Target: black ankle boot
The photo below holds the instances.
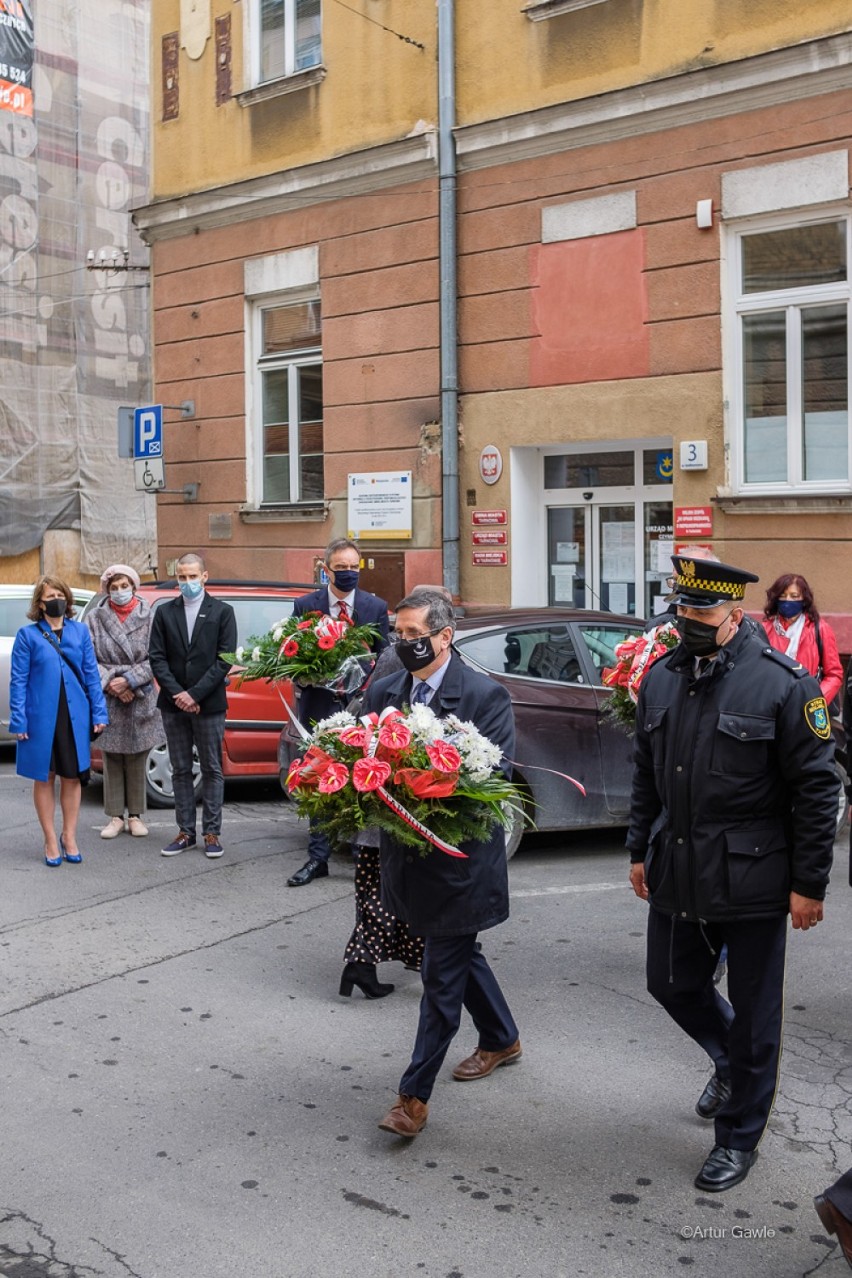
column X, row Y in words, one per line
column 364, row 976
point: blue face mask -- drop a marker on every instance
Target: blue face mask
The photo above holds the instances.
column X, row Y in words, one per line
column 345, row 579
column 190, row 589
column 121, row 597
column 790, row 607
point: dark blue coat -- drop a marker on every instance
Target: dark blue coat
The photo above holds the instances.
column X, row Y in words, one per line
column 368, row 610
column 37, row 669
column 436, row 894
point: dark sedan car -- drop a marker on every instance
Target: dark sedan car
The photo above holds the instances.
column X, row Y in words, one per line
column 550, row 660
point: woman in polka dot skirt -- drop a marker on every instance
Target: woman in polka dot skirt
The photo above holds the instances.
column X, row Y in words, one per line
column 378, row 936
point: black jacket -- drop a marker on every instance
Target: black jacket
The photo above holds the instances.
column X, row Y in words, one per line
column 734, row 798
column 194, row 667
column 436, row 894
column 318, row 703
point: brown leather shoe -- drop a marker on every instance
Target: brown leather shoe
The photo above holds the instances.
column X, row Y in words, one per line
column 834, row 1222
column 483, row 1063
column 406, row 1118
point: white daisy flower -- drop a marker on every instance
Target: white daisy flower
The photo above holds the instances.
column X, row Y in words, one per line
column 342, row 719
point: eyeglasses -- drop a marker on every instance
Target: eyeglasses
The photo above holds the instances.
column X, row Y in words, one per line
column 424, row 634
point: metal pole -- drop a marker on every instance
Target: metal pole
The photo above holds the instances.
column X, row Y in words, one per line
column 448, row 289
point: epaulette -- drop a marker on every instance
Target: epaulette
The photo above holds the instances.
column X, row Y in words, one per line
column 795, row 667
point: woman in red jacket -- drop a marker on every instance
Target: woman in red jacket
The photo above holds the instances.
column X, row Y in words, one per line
column 793, row 625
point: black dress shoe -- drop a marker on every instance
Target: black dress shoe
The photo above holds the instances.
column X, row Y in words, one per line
column 725, row 1168
column 310, row 870
column 711, row 1100
column 364, row 976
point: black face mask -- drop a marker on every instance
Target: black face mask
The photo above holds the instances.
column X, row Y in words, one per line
column 699, row 637
column 55, row 607
column 416, row 654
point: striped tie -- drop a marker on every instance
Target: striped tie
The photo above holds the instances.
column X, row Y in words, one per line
column 343, row 613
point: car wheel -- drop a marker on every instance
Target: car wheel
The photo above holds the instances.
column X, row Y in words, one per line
column 842, row 798
column 158, row 778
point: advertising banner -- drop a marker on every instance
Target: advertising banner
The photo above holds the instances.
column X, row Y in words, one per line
column 16, row 56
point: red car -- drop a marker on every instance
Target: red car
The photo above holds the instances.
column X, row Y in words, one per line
column 255, row 713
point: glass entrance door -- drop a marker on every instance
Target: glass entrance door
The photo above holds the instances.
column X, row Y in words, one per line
column 609, row 526
column 592, row 557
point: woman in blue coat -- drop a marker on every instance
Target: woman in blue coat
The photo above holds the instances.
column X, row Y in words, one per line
column 54, row 695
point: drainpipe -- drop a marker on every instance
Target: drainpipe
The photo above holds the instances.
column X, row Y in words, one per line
column 447, row 294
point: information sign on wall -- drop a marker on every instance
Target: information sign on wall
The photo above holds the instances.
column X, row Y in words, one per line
column 490, row 558
column 490, row 537
column 693, row 521
column 379, row 506
column 489, row 517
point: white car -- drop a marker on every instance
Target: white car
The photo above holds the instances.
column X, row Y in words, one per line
column 14, row 602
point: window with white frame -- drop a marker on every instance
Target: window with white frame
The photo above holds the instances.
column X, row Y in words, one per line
column 288, row 395
column 289, row 38
column 790, row 385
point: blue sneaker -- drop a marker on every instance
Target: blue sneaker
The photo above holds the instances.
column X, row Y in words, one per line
column 212, row 847
column 183, row 841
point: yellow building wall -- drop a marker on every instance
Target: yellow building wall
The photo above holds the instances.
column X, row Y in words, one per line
column 510, row 64
column 378, row 88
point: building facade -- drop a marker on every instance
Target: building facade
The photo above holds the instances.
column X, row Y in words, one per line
column 653, row 288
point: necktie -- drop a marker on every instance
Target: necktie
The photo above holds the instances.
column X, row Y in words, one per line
column 420, row 693
column 343, row 612
column 703, row 665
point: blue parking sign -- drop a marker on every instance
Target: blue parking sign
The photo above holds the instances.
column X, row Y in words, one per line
column 148, row 431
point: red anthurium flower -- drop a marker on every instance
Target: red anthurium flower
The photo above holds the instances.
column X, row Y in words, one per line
column 426, row 783
column 299, row 776
column 443, row 756
column 289, row 648
column 394, row 735
column 325, row 642
column 334, row 778
column 305, row 625
column 369, row 774
column 355, row 736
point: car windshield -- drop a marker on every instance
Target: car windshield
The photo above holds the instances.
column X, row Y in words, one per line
column 254, row 616
column 13, row 614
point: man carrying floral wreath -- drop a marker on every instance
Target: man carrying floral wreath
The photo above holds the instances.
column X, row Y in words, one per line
column 447, row 900
column 341, row 600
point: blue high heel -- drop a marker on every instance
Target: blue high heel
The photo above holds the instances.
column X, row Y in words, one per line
column 75, row 859
column 51, row 860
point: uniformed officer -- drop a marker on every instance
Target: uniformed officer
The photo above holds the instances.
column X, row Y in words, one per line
column 732, row 823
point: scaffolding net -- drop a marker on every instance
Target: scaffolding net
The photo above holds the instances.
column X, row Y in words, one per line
column 74, row 342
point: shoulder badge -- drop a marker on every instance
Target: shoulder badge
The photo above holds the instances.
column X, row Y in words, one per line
column 816, row 717
column 795, row 667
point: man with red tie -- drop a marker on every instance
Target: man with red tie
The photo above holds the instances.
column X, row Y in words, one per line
column 342, row 600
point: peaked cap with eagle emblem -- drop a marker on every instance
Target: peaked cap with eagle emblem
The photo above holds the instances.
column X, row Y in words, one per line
column 705, row 583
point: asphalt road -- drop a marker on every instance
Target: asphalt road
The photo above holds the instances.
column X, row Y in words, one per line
column 185, row 1094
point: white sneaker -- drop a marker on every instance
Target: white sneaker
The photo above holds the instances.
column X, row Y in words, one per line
column 113, row 828
column 137, row 827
